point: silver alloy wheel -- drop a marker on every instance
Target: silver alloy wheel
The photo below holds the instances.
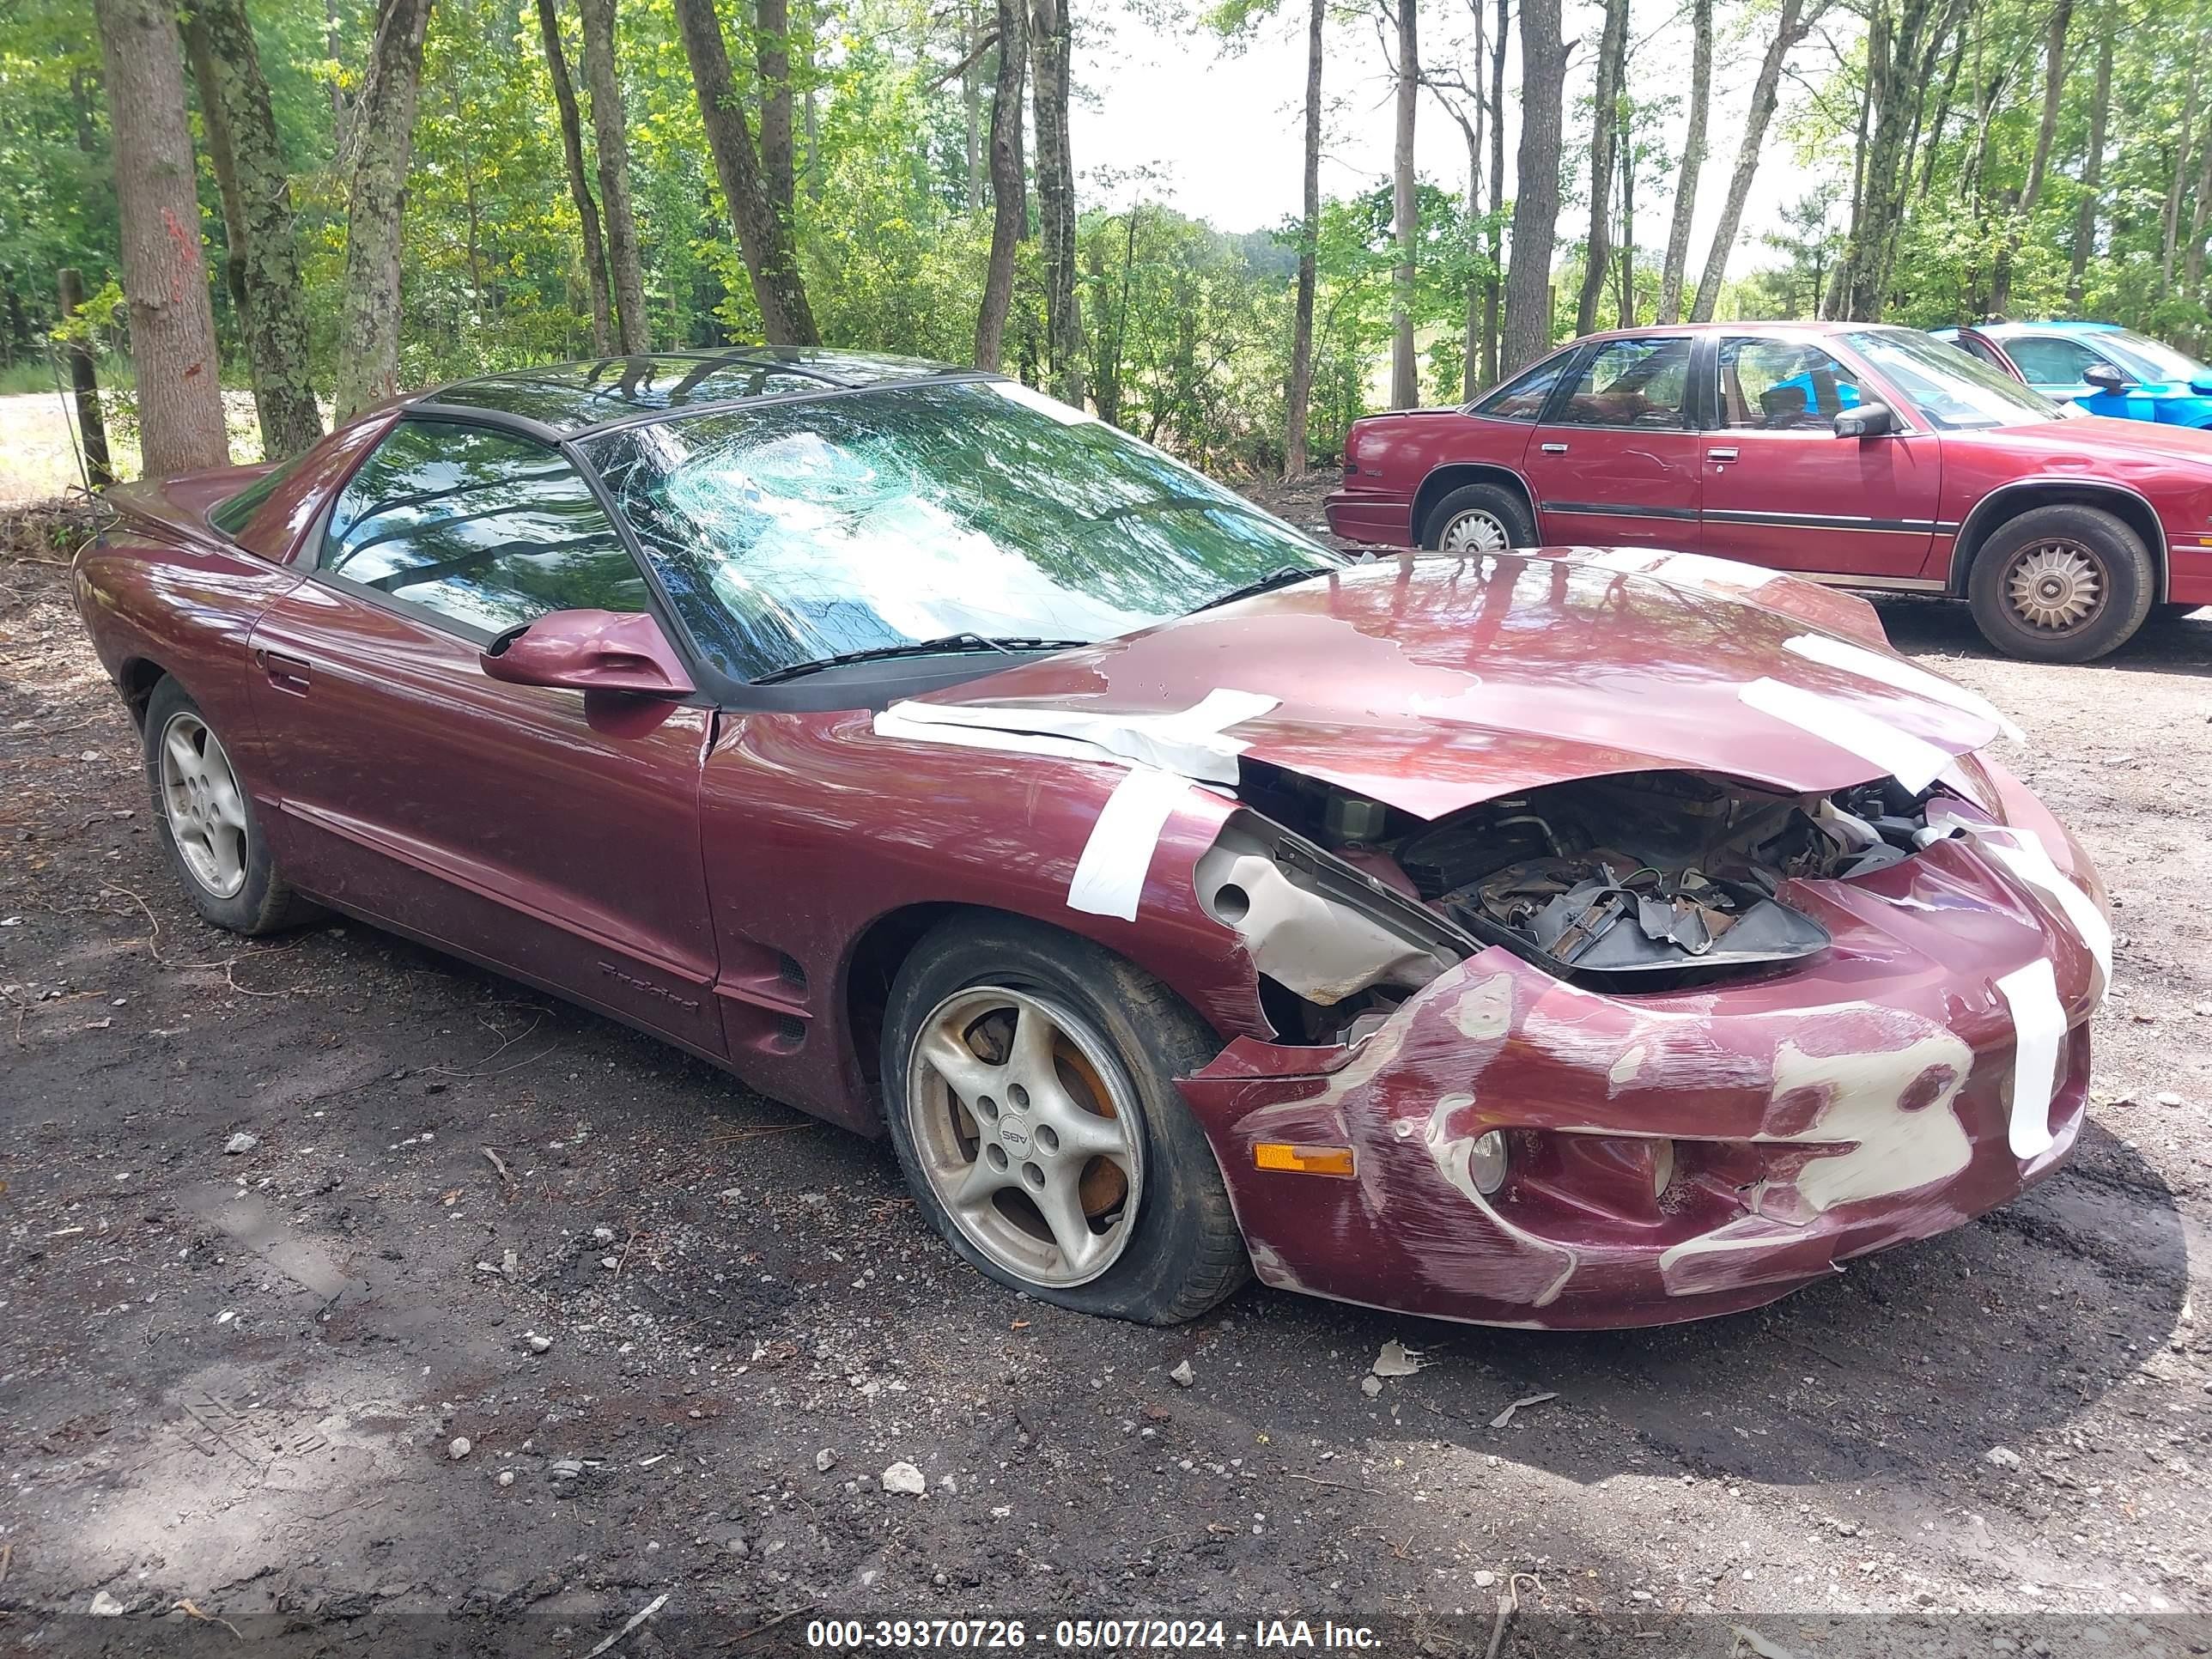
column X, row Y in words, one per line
column 1476, row 529
column 201, row 799
column 1027, row 1132
column 2057, row 585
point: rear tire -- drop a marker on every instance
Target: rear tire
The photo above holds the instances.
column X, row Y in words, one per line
column 1029, row 1085
column 205, row 816
column 1480, row 518
column 2062, row 584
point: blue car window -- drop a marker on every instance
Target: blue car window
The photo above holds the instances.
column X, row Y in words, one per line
column 2050, row 359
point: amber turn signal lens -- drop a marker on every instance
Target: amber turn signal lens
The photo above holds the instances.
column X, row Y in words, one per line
column 1303, row 1160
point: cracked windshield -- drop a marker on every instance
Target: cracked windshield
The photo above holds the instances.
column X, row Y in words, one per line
column 794, row 532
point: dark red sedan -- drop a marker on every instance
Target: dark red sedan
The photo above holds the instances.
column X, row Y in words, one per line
column 1560, row 941
column 1861, row 456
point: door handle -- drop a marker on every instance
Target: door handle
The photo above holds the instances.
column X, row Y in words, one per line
column 1720, row 454
column 1555, row 449
column 286, row 674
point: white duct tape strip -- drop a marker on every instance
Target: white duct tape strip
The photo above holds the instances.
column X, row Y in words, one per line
column 1109, row 876
column 2024, row 855
column 1900, row 675
column 1913, row 761
column 1190, row 742
column 2039, row 1028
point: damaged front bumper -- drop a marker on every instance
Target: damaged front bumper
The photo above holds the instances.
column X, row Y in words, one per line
column 1530, row 1152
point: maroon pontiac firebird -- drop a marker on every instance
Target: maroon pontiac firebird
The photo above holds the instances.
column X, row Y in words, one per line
column 1848, row 454
column 1574, row 940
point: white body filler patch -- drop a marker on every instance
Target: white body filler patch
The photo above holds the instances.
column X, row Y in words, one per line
column 1110, row 875
column 1903, row 676
column 1190, row 742
column 2032, row 993
column 1913, row 761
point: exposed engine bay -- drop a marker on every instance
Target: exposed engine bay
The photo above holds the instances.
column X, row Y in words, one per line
column 1637, row 882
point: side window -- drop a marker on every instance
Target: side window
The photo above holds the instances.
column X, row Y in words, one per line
column 2047, row 360
column 1524, row 398
column 1631, row 383
column 485, row 529
column 1782, row 385
column 1975, row 346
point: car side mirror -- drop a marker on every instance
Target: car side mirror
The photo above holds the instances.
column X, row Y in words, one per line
column 1866, row 420
column 623, row 652
column 2106, row 377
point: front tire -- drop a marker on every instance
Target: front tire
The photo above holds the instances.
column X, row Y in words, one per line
column 2062, row 584
column 208, row 827
column 1029, row 1085
column 1478, row 519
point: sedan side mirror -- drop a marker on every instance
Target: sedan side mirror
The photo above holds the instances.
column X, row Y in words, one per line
column 1866, row 420
column 612, row 651
column 2106, row 377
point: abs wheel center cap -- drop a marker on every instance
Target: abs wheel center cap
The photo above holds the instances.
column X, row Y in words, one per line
column 1014, row 1138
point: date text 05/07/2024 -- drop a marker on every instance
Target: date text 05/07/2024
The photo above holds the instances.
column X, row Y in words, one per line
column 1086, row 1635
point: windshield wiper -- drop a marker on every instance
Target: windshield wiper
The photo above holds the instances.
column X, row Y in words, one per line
column 943, row 645
column 1287, row 576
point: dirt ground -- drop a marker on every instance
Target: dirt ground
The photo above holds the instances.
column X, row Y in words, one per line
column 234, row 1384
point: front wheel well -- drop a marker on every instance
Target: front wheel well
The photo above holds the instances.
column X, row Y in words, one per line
column 1998, row 510
column 136, row 680
column 1457, row 474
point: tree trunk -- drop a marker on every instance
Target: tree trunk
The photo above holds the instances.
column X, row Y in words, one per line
column 1536, row 205
column 333, row 38
column 1943, row 108
column 2054, row 87
column 772, row 60
column 216, row 129
column 2200, row 212
column 971, row 105
column 1625, row 148
column 1471, row 337
column 84, row 385
column 383, row 136
column 1009, row 189
column 164, row 279
column 1300, row 397
column 580, row 185
column 611, row 132
column 1795, row 21
column 1605, row 126
column 1052, row 38
column 1902, row 70
column 763, row 234
column 241, row 130
column 1493, row 289
column 2054, row 93
column 1405, row 212
column 2170, row 222
column 2092, row 164
column 1694, row 159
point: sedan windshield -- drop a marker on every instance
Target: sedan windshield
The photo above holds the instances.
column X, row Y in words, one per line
column 790, row 533
column 1951, row 390
column 2151, row 360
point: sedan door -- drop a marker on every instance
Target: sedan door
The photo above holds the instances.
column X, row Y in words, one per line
column 1614, row 461
column 1782, row 490
column 515, row 824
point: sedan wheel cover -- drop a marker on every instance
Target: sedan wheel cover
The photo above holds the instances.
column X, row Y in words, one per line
column 1027, row 1134
column 202, row 801
column 1476, row 532
column 2057, row 587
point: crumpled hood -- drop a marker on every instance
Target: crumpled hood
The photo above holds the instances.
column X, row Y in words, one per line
column 1434, row 682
